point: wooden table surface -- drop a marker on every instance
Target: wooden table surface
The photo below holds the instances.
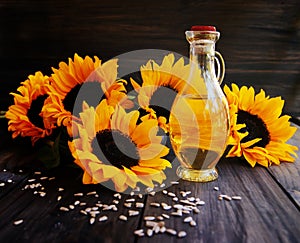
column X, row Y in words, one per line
column 269, row 209
column 261, row 46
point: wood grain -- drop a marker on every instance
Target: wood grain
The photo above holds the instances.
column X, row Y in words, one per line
column 259, row 39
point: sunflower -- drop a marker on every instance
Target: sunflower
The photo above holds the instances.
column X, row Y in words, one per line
column 112, row 146
column 24, row 116
column 262, row 139
column 160, row 85
column 67, row 81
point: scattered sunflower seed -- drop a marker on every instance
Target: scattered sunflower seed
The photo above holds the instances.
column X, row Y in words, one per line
column 236, row 197
column 61, row 189
column 123, row 217
column 181, row 234
column 103, row 218
column 128, row 205
column 154, row 204
column 149, row 218
column 79, row 194
column 174, row 182
column 216, row 188
column 166, row 216
column 92, row 220
column 188, row 219
column 91, row 193
column 171, row 231
column 9, row 181
column 2, row 184
column 18, row 222
column 149, row 232
column 64, row 209
column 139, row 205
column 133, row 212
column 193, row 223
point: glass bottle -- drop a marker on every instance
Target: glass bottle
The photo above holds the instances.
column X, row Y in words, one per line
column 199, row 119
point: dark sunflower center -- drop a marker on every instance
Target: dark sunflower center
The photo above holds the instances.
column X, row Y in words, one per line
column 34, row 111
column 112, row 146
column 256, row 128
column 89, row 91
column 162, row 100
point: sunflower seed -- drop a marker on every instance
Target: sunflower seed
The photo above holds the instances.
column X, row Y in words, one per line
column 82, row 204
column 128, row 205
column 37, row 172
column 42, row 194
column 162, row 185
column 166, row 216
column 92, row 220
column 156, row 229
column 118, row 195
column 18, row 222
column 177, row 213
column 175, row 199
column 201, row 203
column 31, row 180
column 123, row 217
column 196, row 210
column 181, row 234
column 149, row 232
column 171, row 194
column 162, row 229
column 193, row 223
column 154, row 204
column 9, row 181
column 2, row 184
column 58, row 198
column 149, row 189
column 79, row 194
column 165, row 206
column 178, row 206
column 91, row 193
column 71, row 207
column 171, row 231
column 83, row 212
column 132, row 193
column 139, row 232
column 130, row 200
column 64, row 209
column 188, row 202
column 150, row 223
column 165, row 192
column 139, row 205
column 103, row 218
column 76, row 203
column 61, row 189
column 216, row 188
column 228, row 198
column 188, row 219
column 152, row 194
column 160, row 217
column 140, row 195
column 133, row 212
column 149, row 218
column 236, row 197
column 51, row 178
column 174, row 182
column 44, row 178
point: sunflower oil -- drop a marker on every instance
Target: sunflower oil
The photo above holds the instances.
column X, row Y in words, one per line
column 199, row 118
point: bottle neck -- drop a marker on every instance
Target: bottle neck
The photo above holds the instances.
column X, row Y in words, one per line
column 202, row 54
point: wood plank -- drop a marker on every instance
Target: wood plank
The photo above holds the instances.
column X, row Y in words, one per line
column 45, row 222
column 265, row 213
column 287, row 174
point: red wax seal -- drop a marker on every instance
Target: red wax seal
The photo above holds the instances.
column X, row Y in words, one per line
column 203, row 28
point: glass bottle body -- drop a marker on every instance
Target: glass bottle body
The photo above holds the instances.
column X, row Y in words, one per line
column 199, row 120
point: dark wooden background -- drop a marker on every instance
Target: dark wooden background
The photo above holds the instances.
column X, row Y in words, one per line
column 259, row 39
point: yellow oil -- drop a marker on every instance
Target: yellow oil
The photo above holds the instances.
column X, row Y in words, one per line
column 198, row 133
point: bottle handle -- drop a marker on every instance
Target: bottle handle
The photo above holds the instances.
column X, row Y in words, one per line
column 221, row 66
